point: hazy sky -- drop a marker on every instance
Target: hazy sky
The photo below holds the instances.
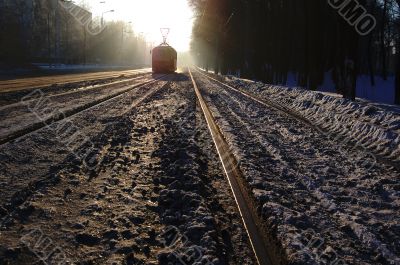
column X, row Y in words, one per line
column 148, row 16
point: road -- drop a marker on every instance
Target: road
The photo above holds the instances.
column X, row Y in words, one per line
column 183, row 169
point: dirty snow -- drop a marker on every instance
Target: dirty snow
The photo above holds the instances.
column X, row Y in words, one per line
column 375, row 127
column 321, row 202
column 157, row 194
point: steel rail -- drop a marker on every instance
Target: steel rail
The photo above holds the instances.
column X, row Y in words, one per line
column 41, row 124
column 82, row 89
column 134, row 104
column 299, row 117
column 250, row 218
column 17, row 85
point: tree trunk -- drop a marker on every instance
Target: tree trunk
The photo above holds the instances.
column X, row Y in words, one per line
column 370, row 62
column 217, row 42
column 383, row 47
column 397, row 74
column 350, row 79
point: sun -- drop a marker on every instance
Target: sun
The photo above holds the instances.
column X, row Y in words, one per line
column 148, row 16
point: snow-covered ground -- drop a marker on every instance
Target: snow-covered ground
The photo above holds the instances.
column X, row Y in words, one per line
column 27, row 113
column 324, row 201
column 369, row 126
column 382, row 92
column 155, row 193
column 82, row 67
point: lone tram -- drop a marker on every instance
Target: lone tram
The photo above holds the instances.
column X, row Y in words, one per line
column 164, row 57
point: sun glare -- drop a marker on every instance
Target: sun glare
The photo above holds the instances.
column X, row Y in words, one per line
column 148, row 16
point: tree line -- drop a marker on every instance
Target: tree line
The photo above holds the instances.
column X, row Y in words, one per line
column 267, row 39
column 45, row 31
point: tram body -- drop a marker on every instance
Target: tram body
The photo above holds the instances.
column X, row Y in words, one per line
column 164, row 59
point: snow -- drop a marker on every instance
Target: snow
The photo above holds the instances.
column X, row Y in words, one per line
column 60, row 66
column 26, row 113
column 323, row 200
column 157, row 196
column 382, row 92
column 372, row 126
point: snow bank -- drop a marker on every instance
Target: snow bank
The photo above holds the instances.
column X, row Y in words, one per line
column 383, row 91
column 363, row 124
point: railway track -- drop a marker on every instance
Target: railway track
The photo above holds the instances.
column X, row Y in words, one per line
column 262, row 248
column 286, row 111
column 151, row 115
column 77, row 90
column 58, row 116
column 285, row 149
column 71, row 92
column 12, row 98
column 14, row 85
column 25, row 190
column 127, row 186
